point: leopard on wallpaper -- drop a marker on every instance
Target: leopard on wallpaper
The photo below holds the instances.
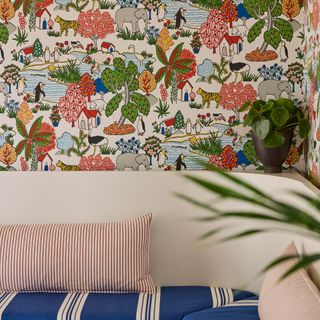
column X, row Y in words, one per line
column 143, row 84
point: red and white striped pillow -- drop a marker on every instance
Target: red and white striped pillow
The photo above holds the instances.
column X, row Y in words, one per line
column 109, row 257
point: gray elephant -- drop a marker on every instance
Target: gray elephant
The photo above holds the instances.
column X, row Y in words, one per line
column 274, row 88
column 132, row 161
column 4, row 91
column 132, row 16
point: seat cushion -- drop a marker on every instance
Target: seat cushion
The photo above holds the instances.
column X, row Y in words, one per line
column 167, row 303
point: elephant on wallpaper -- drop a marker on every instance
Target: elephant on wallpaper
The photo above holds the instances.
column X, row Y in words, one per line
column 132, row 16
column 132, row 161
column 274, row 88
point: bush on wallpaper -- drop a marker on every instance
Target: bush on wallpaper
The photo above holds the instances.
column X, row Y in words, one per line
column 142, row 84
column 312, row 24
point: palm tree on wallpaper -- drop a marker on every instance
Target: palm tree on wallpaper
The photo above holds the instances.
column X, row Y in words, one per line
column 280, row 215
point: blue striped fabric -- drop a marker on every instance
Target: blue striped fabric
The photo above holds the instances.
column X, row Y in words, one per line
column 167, row 303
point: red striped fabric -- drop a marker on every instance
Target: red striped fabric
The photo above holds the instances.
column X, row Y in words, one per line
column 109, row 257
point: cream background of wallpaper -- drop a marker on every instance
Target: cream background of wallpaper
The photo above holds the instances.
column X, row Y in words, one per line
column 176, row 255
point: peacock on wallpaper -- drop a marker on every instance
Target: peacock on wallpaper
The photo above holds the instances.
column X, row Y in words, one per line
column 142, row 84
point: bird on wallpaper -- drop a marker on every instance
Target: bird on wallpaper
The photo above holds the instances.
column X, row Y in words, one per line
column 180, row 18
column 141, row 126
column 95, row 140
column 39, row 92
column 180, row 162
column 1, row 54
column 284, row 52
column 161, row 11
column 238, row 67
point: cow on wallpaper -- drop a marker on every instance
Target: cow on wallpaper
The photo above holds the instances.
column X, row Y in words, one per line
column 142, row 84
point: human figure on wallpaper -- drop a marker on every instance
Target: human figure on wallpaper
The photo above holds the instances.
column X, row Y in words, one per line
column 180, row 18
column 1, row 54
column 39, row 92
column 180, row 162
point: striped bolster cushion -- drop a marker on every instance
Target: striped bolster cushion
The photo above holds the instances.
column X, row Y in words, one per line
column 106, row 257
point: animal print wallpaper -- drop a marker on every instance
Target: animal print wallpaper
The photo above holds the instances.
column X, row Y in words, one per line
column 144, row 84
column 312, row 76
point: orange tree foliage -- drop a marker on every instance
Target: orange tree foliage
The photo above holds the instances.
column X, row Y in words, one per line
column 229, row 12
column 164, row 40
column 290, row 8
column 87, row 86
column 8, row 154
column 147, row 82
column 228, row 158
column 6, row 10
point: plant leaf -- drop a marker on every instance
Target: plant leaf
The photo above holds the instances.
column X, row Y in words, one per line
column 176, row 52
column 261, row 128
column 280, row 116
column 35, row 127
column 161, row 55
column 274, row 139
column 160, row 74
column 21, row 128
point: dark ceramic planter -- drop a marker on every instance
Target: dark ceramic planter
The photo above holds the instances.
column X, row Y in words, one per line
column 273, row 158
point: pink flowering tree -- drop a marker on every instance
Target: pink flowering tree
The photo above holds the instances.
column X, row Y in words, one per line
column 213, row 30
column 235, row 95
column 72, row 103
column 96, row 163
column 95, row 25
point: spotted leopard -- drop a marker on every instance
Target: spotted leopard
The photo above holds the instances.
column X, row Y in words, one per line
column 207, row 97
column 65, row 25
column 66, row 167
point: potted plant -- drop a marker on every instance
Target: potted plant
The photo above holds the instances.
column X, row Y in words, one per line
column 196, row 42
column 55, row 116
column 273, row 124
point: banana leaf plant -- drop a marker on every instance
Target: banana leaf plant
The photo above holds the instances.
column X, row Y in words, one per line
column 280, row 216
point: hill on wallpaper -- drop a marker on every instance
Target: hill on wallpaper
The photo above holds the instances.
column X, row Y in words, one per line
column 142, row 84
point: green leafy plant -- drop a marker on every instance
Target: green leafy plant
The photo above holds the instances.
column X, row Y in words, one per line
column 174, row 65
column 69, row 73
column 105, row 4
column 32, row 139
column 81, row 147
column 163, row 109
column 122, row 77
column 274, row 29
column 269, row 119
column 280, row 215
column 21, row 37
column 208, row 146
column 126, row 34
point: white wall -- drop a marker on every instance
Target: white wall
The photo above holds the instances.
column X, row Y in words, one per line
column 177, row 256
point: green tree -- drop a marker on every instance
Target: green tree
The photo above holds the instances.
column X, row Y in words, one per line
column 32, row 140
column 37, row 48
column 10, row 75
column 151, row 147
column 179, row 120
column 274, row 29
column 4, row 33
column 124, row 78
column 174, row 65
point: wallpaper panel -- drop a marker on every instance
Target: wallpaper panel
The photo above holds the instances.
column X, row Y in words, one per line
column 312, row 76
column 142, row 84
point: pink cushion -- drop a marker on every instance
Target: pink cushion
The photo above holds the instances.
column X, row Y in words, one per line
column 294, row 298
column 76, row 257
